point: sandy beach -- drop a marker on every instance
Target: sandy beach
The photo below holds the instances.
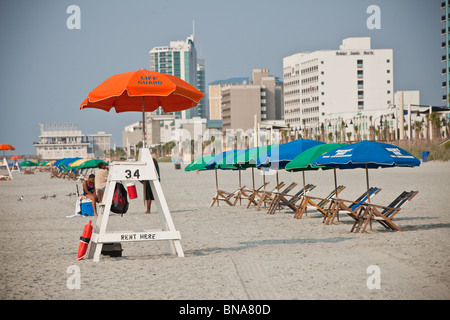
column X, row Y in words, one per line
column 231, row 253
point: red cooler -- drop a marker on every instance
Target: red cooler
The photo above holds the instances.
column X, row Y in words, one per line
column 131, row 188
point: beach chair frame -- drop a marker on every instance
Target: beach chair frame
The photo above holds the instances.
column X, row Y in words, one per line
column 352, row 208
column 269, row 196
column 281, row 199
column 317, row 202
column 258, row 195
column 382, row 214
column 222, row 195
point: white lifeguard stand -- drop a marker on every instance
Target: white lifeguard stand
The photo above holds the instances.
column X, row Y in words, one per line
column 15, row 167
column 143, row 169
column 4, row 163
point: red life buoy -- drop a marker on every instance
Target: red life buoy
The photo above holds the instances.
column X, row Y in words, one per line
column 84, row 240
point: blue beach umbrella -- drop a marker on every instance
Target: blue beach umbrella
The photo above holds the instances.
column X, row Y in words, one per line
column 367, row 155
column 279, row 155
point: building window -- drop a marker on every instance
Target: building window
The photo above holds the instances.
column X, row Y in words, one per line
column 388, row 71
column 388, row 61
column 389, row 81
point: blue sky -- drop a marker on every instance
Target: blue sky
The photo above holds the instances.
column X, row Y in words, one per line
column 47, row 70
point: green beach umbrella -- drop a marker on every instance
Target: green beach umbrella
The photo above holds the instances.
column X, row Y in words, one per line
column 302, row 162
column 92, row 163
column 28, row 163
column 199, row 163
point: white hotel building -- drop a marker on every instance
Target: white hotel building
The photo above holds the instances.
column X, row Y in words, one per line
column 329, row 87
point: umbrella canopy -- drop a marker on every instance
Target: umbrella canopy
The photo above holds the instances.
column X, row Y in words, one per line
column 199, row 163
column 15, row 157
column 5, row 147
column 76, row 163
column 367, row 154
column 90, row 163
column 225, row 160
column 126, row 91
column 303, row 160
column 28, row 163
column 279, row 155
column 248, row 158
column 143, row 91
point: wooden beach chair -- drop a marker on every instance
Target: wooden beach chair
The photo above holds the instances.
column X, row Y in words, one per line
column 268, row 197
column 249, row 194
column 281, row 199
column 381, row 214
column 317, row 203
column 257, row 195
column 352, row 208
column 227, row 197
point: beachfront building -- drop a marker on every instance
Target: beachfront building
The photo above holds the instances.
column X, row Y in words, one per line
column 180, row 59
column 64, row 140
column 326, row 91
column 241, row 103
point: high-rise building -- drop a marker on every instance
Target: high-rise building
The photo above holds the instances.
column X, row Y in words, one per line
column 203, row 105
column 237, row 100
column 180, row 59
column 445, row 46
column 337, row 84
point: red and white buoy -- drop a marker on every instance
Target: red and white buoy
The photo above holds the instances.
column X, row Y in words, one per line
column 84, row 240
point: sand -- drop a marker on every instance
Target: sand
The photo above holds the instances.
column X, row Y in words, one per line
column 231, row 253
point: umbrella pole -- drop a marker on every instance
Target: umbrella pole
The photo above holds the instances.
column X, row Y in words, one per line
column 336, row 193
column 279, row 207
column 143, row 122
column 240, row 200
column 217, row 186
column 253, row 178
column 368, row 196
column 304, row 185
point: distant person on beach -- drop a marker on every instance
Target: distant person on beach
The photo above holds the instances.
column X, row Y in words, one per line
column 101, row 176
column 89, row 191
column 148, row 194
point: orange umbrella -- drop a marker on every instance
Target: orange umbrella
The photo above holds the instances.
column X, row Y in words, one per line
column 15, row 157
column 5, row 147
column 144, row 91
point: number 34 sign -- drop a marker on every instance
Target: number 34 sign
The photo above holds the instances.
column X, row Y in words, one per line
column 133, row 171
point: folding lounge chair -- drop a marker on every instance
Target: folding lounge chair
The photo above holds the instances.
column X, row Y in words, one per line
column 281, row 200
column 383, row 215
column 268, row 197
column 227, row 197
column 353, row 210
column 320, row 205
column 250, row 193
column 259, row 194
